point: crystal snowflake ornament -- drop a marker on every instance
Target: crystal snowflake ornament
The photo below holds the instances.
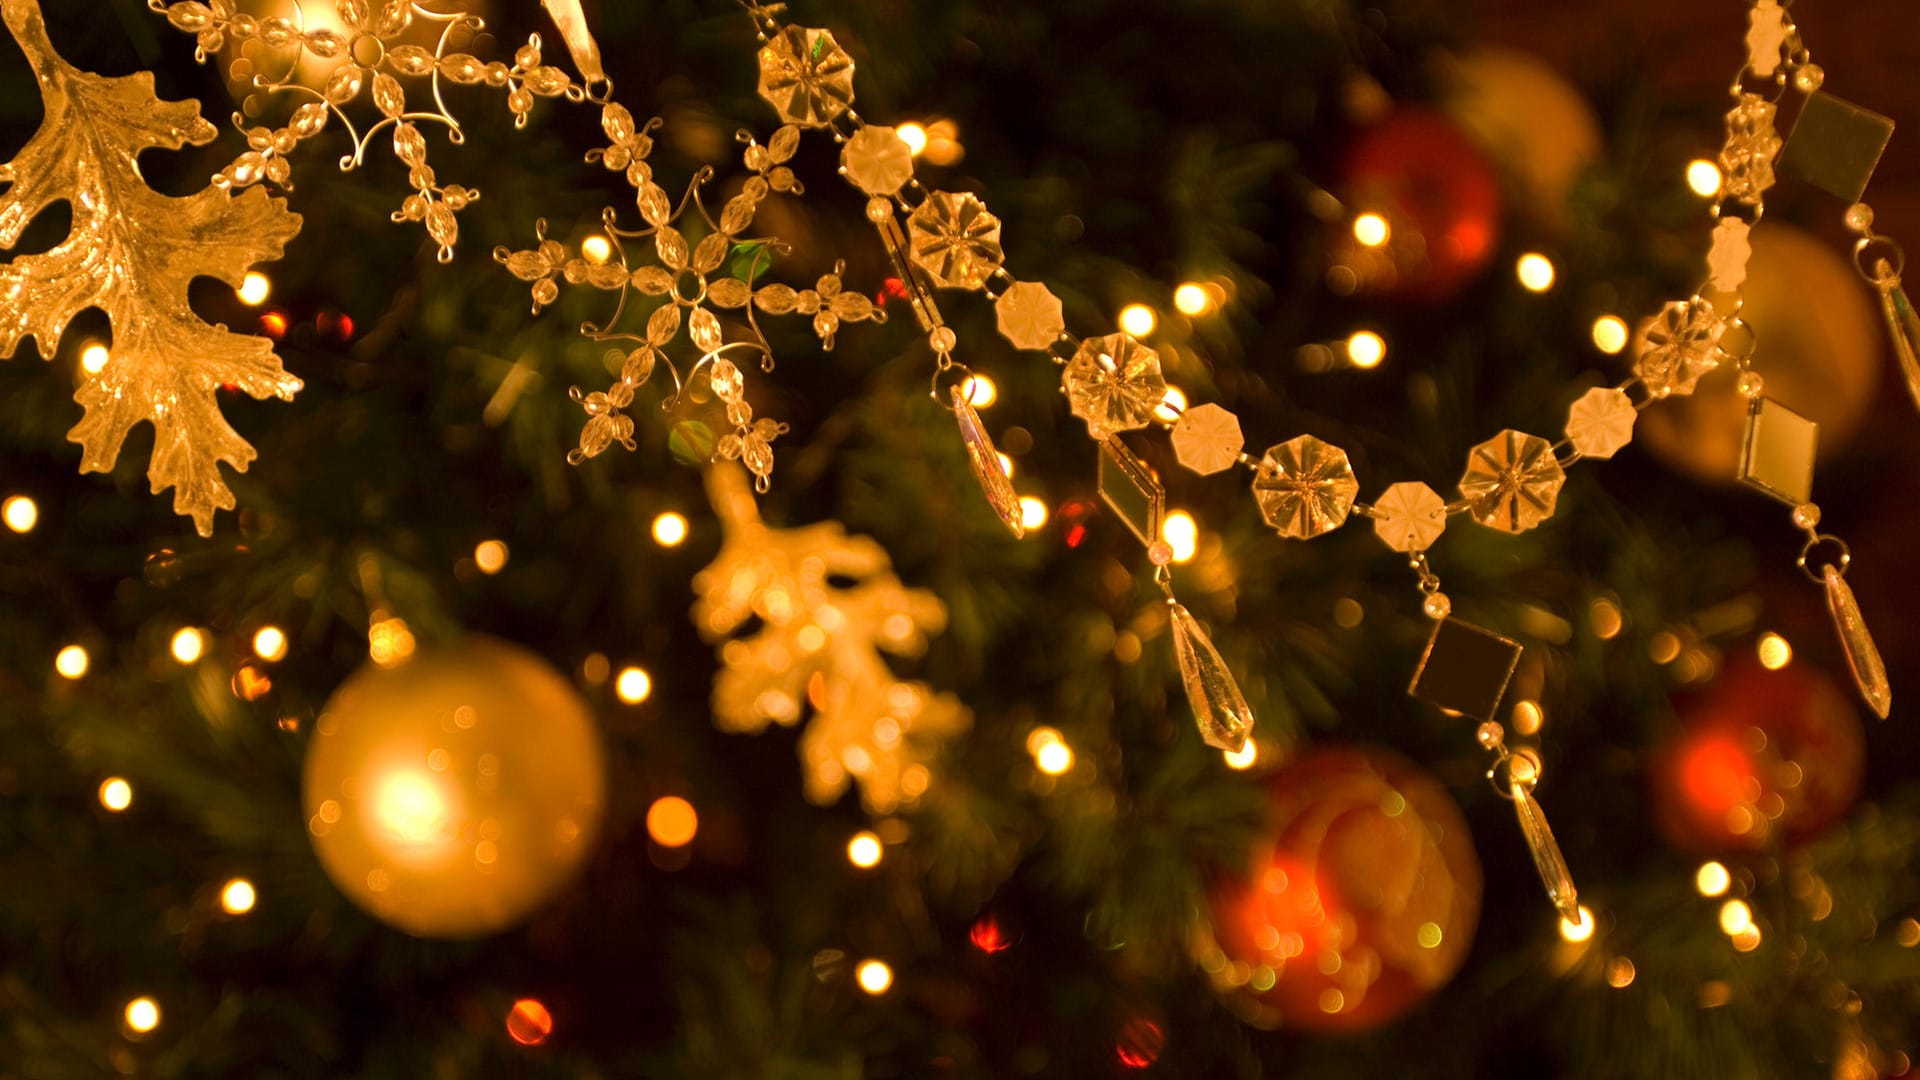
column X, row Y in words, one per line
column 1512, row 481
column 955, row 240
column 1305, row 487
column 1114, row 384
column 1682, row 345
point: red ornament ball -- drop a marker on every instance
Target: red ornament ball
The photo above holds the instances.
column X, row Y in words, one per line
column 1760, row 753
column 1441, row 201
column 1361, row 901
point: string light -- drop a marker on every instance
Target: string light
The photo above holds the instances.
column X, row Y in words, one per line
column 143, row 1015
column 669, row 529
column 116, row 794
column 1054, row 759
column 672, row 822
column 254, row 289
column 1033, row 512
column 634, row 685
column 1244, row 757
column 187, row 645
column 1610, row 334
column 597, row 248
column 93, row 358
column 237, row 897
column 1712, row 879
column 1581, row 930
column 1371, row 230
column 529, row 1022
column 980, row 391
column 1366, row 349
column 270, row 643
column 1182, row 534
column 71, row 662
column 1535, row 272
column 1735, row 918
column 914, row 136
column 490, row 556
column 1172, row 404
column 1191, row 298
column 1138, row 320
column 20, row 513
column 864, row 850
column 1775, row 653
column 1703, row 177
column 874, row 976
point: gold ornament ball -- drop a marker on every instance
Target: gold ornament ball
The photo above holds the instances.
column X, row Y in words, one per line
column 451, row 795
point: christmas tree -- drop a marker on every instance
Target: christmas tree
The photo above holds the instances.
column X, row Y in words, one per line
column 771, row 747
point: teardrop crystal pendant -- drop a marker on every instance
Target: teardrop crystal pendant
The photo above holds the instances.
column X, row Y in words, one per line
column 1546, row 852
column 1862, row 655
column 986, row 464
column 1904, row 326
column 1219, row 709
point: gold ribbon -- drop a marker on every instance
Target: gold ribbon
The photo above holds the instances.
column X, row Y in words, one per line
column 573, row 27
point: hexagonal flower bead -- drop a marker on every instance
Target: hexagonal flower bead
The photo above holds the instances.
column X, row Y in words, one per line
column 1512, row 481
column 1114, row 384
column 1305, row 487
column 1601, row 422
column 1683, row 344
column 955, row 240
column 1409, row 517
column 1207, row 439
column 806, row 76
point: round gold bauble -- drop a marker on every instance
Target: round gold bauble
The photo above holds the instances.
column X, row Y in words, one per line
column 452, row 794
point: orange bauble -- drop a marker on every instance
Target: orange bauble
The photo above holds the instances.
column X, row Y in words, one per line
column 1763, row 755
column 1362, row 901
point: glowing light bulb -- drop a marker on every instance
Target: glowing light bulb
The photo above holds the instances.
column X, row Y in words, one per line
column 1054, row 758
column 269, row 643
column 94, row 358
column 237, row 897
column 1775, row 653
column 1736, row 918
column 598, row 249
column 116, row 794
column 1244, row 757
column 669, row 529
column 490, row 556
column 1371, row 230
column 1610, row 334
column 634, row 685
column 672, row 822
column 914, row 136
column 143, row 1015
column 1712, row 879
column 1138, row 320
column 1033, row 512
column 254, row 289
column 529, row 1022
column 1182, row 534
column 864, row 850
column 1703, row 177
column 1191, row 299
column 980, row 391
column 1535, row 272
column 71, row 662
column 1172, row 404
column 1578, row 931
column 874, row 976
column 1366, row 349
column 20, row 513
column 411, row 810
column 187, row 645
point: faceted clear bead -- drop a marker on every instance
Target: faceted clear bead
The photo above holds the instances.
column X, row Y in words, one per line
column 1683, row 344
column 1859, row 218
column 1219, row 709
column 955, row 240
column 1160, row 553
column 1809, row 77
column 1409, row 517
column 1030, row 316
column 1512, row 481
column 1114, row 384
column 1750, row 384
column 1437, row 606
column 1601, row 422
column 1207, row 439
column 877, row 160
column 1491, row 734
column 806, row 76
column 1305, row 487
column 1806, row 516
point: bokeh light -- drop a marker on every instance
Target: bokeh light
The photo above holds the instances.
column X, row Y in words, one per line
column 669, row 529
column 1244, row 757
column 672, row 822
column 1581, row 930
column 1703, row 177
column 634, row 685
column 874, row 976
column 116, row 794
column 71, row 662
column 490, row 556
column 1371, row 230
column 94, row 358
column 1191, row 298
column 597, row 248
column 254, row 289
column 1182, row 534
column 529, row 1022
column 1366, row 349
column 20, row 513
column 1033, row 512
column 269, row 643
column 1054, row 758
column 1774, row 651
column 143, row 1015
column 1712, row 879
column 1610, row 334
column 1172, row 404
column 1735, row 917
column 864, row 850
column 1138, row 320
column 980, row 391
column 237, row 896
column 914, row 136
column 187, row 645
column 1535, row 272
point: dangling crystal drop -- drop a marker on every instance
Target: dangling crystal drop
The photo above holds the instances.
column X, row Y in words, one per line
column 1219, row 709
column 1903, row 323
column 986, row 464
column 1862, row 655
column 1546, row 852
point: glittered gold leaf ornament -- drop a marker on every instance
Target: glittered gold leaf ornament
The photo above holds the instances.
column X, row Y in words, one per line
column 132, row 253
